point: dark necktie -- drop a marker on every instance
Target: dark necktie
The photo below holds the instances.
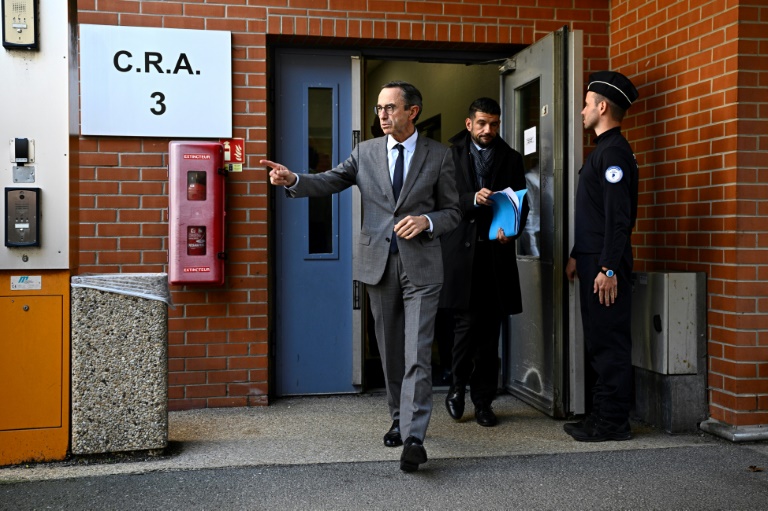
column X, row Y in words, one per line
column 483, row 168
column 397, row 185
column 397, row 179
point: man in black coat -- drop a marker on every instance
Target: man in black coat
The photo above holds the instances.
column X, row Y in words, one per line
column 481, row 286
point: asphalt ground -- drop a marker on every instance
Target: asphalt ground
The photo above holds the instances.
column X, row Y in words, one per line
column 327, row 453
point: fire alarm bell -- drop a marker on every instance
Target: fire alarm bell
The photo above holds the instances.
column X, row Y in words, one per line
column 196, row 213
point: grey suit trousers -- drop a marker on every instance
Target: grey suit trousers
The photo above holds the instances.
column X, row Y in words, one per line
column 400, row 306
column 404, row 304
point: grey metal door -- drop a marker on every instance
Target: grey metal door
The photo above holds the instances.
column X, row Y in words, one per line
column 541, row 101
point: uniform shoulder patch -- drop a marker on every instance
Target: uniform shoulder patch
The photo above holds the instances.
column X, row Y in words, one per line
column 614, row 174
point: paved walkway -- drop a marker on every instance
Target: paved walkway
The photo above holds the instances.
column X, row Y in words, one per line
column 337, row 429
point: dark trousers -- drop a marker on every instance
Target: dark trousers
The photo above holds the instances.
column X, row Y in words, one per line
column 444, row 340
column 608, row 340
column 476, row 353
column 476, row 332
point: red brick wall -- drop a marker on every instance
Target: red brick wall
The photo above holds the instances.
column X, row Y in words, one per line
column 219, row 337
column 699, row 130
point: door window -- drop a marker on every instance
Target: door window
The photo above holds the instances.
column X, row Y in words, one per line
column 320, row 143
column 322, row 212
column 528, row 99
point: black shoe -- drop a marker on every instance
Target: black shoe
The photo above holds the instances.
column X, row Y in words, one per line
column 485, row 417
column 393, row 438
column 570, row 426
column 597, row 429
column 413, row 455
column 454, row 401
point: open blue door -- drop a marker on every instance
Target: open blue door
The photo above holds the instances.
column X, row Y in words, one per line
column 315, row 342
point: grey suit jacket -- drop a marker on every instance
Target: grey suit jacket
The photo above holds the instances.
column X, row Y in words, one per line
column 429, row 188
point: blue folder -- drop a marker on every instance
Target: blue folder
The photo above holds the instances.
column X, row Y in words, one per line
column 506, row 212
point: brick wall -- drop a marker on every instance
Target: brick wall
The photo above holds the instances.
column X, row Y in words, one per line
column 698, row 131
column 219, row 337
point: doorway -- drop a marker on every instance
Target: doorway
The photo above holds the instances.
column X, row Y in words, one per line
column 448, row 88
column 345, row 347
column 332, row 348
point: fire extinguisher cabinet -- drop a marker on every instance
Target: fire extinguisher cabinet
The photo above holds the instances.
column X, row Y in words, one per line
column 196, row 213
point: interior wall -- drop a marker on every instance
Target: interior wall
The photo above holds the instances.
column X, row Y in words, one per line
column 467, row 83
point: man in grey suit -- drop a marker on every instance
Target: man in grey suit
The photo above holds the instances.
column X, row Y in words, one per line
column 409, row 200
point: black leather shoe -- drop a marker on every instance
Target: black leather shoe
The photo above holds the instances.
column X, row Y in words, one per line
column 568, row 427
column 454, row 401
column 597, row 429
column 414, row 454
column 485, row 417
column 393, row 438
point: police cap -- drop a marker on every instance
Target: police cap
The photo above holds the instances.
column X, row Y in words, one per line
column 614, row 86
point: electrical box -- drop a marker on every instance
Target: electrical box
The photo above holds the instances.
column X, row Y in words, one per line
column 666, row 322
column 34, row 366
column 39, row 249
column 196, row 213
column 669, row 349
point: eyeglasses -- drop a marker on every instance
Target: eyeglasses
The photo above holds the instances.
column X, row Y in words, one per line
column 390, row 108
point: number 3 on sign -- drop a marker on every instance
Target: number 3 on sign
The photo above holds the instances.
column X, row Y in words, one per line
column 159, row 108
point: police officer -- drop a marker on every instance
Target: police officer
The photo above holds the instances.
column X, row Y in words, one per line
column 606, row 209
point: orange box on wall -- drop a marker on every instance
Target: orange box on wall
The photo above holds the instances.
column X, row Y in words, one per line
column 34, row 366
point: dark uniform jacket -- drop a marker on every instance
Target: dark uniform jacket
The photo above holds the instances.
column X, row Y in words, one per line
column 459, row 245
column 606, row 201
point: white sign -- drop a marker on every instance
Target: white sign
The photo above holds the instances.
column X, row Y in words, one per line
column 529, row 137
column 155, row 82
column 26, row 282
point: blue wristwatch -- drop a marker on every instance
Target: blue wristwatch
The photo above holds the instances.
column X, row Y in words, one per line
column 608, row 273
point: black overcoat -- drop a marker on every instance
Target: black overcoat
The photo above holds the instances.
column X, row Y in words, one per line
column 459, row 245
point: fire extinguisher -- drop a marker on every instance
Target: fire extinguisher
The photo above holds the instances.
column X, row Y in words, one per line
column 196, row 240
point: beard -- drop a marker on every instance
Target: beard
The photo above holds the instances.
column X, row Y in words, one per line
column 485, row 143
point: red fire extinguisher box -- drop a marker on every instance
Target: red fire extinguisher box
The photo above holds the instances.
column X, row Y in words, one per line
column 196, row 213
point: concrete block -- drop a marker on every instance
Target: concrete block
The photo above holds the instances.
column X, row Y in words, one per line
column 119, row 372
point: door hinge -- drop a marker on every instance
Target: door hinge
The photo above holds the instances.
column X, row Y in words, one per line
column 356, row 295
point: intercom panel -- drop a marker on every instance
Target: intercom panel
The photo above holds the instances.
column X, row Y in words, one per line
column 22, row 217
column 19, row 23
